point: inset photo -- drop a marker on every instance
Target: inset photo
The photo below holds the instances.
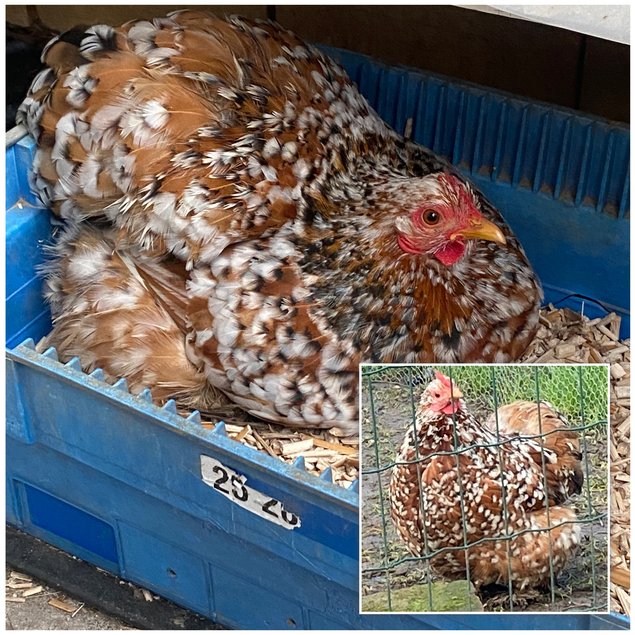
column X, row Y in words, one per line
column 484, row 488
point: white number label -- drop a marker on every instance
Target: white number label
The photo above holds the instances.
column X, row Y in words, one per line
column 232, row 485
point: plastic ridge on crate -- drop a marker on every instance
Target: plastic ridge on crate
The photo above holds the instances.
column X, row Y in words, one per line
column 124, row 485
column 170, row 409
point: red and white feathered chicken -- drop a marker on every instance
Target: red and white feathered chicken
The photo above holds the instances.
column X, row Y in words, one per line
column 259, row 202
column 473, row 495
column 563, row 467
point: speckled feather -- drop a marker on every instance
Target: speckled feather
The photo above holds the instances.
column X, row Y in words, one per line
column 528, row 419
column 249, row 156
column 500, row 481
column 105, row 314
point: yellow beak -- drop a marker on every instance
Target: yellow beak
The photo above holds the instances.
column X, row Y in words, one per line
column 456, row 393
column 483, row 229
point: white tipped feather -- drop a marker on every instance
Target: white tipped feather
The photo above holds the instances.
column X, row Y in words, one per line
column 98, row 38
column 81, row 86
column 155, row 115
column 158, row 56
column 88, row 175
column 271, row 148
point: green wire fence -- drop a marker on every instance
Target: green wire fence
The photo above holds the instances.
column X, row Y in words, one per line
column 394, row 580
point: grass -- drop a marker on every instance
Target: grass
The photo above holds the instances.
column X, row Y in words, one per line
column 579, row 392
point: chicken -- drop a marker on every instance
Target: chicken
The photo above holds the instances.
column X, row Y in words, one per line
column 292, row 234
column 563, row 467
column 464, row 504
column 107, row 315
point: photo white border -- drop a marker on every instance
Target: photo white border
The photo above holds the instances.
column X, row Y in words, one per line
column 608, row 477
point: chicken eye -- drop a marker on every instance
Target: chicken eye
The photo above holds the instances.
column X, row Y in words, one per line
column 431, row 217
column 437, row 395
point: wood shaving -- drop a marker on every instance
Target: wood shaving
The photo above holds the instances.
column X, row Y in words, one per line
column 621, row 577
column 623, row 598
column 62, row 606
column 580, row 340
column 263, row 444
column 297, row 447
column 33, row 591
column 77, row 610
column 19, row 585
column 21, row 576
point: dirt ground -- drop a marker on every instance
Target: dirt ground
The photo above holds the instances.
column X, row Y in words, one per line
column 34, row 611
column 582, row 586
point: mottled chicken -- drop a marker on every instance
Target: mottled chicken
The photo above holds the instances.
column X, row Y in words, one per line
column 268, row 211
column 563, row 467
column 500, row 480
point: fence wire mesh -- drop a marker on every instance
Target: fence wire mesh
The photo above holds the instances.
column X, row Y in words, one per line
column 395, row 579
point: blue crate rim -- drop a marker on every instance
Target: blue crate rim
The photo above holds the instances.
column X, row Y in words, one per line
column 584, row 116
column 14, row 135
column 217, row 439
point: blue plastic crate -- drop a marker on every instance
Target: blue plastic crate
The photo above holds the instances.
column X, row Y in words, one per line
column 118, row 481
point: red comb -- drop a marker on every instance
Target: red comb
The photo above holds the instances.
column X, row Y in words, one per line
column 442, row 378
